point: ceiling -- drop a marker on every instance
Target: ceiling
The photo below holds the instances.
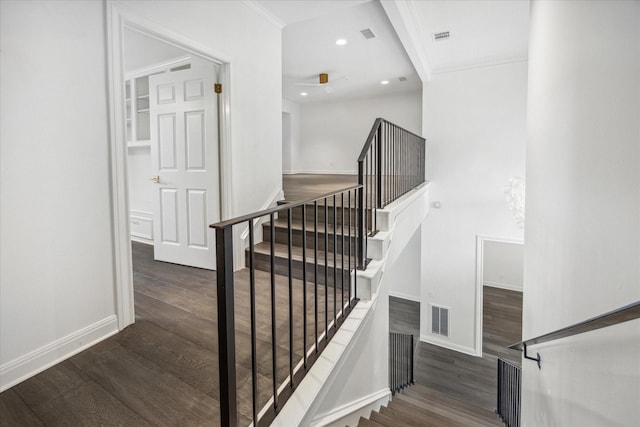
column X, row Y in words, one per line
column 482, row 32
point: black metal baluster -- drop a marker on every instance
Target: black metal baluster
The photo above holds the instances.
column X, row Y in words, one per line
column 290, row 244
column 342, row 253
column 349, row 247
column 315, row 269
column 360, row 216
column 226, row 327
column 335, row 263
column 326, row 271
column 252, row 297
column 304, row 284
column 273, row 312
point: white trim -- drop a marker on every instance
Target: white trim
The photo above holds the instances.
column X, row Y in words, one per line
column 314, row 386
column 350, row 413
column 480, row 239
column 265, row 13
column 493, row 62
column 321, row 172
column 404, row 296
column 506, row 286
column 441, row 342
column 120, row 16
column 38, row 360
column 146, row 217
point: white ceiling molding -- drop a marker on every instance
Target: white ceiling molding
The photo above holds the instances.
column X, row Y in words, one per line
column 262, row 11
column 401, row 15
column 490, row 62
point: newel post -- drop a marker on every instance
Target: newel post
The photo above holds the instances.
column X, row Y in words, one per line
column 226, row 327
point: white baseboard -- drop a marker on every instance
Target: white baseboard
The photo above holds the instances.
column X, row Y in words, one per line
column 404, row 296
column 450, row 345
column 507, row 286
column 32, row 363
column 350, row 413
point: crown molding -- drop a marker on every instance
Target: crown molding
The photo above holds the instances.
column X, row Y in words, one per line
column 401, row 15
column 265, row 13
column 487, row 62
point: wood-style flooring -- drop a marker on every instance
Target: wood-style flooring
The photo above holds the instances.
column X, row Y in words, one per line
column 464, row 377
column 163, row 370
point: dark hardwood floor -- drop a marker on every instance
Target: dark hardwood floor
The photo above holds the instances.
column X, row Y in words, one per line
column 163, row 370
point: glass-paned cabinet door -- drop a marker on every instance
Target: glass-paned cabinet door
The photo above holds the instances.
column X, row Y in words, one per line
column 128, row 113
column 143, row 131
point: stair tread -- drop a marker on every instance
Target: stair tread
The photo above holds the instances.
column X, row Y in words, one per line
column 427, row 396
column 364, row 422
column 439, row 414
column 296, row 225
column 282, row 250
column 413, row 415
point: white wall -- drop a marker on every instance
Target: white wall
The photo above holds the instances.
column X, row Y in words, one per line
column 56, row 248
column 474, row 123
column 582, row 253
column 503, row 264
column 404, row 276
column 56, row 254
column 290, row 150
column 333, row 133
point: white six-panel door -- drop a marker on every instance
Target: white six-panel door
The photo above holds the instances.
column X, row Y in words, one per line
column 184, row 162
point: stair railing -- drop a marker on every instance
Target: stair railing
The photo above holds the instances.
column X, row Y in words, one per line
column 509, row 378
column 401, row 350
column 332, row 276
column 509, row 393
column 391, row 163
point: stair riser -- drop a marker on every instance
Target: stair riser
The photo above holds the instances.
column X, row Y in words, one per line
column 263, row 262
column 310, row 215
column 282, row 236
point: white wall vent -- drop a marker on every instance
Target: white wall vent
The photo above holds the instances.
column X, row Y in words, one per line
column 443, row 35
column 367, row 33
column 440, row 321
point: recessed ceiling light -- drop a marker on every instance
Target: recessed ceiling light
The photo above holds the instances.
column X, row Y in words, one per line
column 384, row 82
column 303, row 93
column 341, row 42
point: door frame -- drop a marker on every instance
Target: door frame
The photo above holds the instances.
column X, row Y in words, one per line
column 119, row 17
column 480, row 239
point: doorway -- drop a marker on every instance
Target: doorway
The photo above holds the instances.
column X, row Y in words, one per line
column 499, row 286
column 123, row 221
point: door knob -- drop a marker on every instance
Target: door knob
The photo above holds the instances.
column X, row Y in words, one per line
column 155, row 179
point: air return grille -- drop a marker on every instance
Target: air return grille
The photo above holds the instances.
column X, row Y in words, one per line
column 440, row 36
column 440, row 321
column 367, row 33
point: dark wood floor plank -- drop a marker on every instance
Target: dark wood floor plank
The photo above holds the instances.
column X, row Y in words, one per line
column 156, row 395
column 88, row 405
column 50, row 384
column 15, row 412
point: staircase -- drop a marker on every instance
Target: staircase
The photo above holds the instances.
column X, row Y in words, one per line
column 330, row 262
column 422, row 406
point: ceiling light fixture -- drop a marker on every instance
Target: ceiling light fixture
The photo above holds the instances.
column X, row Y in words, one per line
column 341, row 42
column 384, row 82
column 303, row 93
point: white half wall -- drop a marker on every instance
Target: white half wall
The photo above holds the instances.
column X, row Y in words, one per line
column 56, row 259
column 582, row 251
column 332, row 134
column 474, row 123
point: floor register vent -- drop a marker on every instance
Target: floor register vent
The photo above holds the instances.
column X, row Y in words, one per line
column 440, row 321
